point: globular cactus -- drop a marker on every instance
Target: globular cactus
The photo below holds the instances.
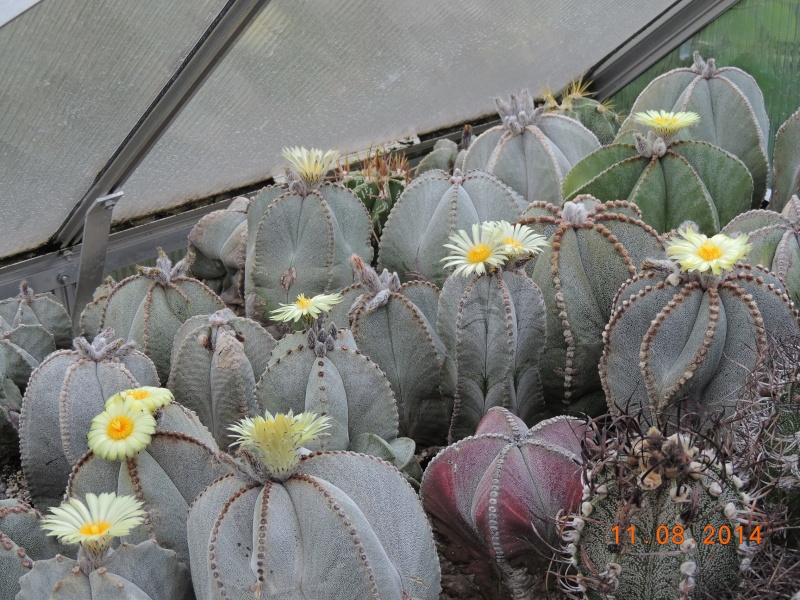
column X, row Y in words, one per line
column 141, row 572
column 29, row 308
column 344, row 525
column 10, row 406
column 775, row 238
column 496, row 496
column 305, row 236
column 786, row 163
column 671, row 180
column 577, row 103
column 219, row 243
column 65, row 393
column 434, row 207
column 22, row 349
column 216, row 361
column 165, row 476
column 21, row 543
column 150, row 307
column 662, row 517
column 395, row 325
column 446, row 154
column 731, row 108
column 491, row 320
column 593, row 248
column 92, row 314
column 532, row 150
column 686, row 339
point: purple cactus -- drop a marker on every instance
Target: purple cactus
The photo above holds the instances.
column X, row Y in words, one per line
column 496, row 495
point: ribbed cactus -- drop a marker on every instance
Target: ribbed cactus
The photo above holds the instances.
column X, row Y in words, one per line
column 92, row 314
column 688, row 340
column 593, row 249
column 304, row 237
column 22, row 348
column 21, row 543
column 219, row 243
column 493, row 329
column 38, row 309
column 65, row 393
column 577, row 103
column 435, row 206
column 532, row 150
column 775, row 238
column 216, row 361
column 446, row 154
column 731, row 108
column 786, row 163
column 671, row 181
column 496, row 495
column 10, row 406
column 328, row 525
column 662, row 518
column 395, row 325
column 149, row 308
column 178, row 462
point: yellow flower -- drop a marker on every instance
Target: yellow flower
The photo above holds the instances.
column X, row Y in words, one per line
column 94, row 525
column 311, row 165
column 517, row 240
column 696, row 252
column 666, row 124
column 475, row 255
column 121, row 430
column 147, row 397
column 306, row 307
column 276, row 439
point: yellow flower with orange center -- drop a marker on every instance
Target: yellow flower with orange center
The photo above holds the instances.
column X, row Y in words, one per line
column 517, row 240
column 666, row 124
column 305, row 308
column 696, row 252
column 311, row 165
column 477, row 254
column 147, row 397
column 122, row 429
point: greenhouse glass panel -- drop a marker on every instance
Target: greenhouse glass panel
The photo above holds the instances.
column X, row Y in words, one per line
column 355, row 74
column 77, row 75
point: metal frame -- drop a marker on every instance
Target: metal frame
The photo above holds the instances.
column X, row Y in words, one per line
column 11, row 9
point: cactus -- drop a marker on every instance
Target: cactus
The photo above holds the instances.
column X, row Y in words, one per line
column 577, row 103
column 10, row 406
column 786, row 163
column 775, row 238
column 304, row 237
column 731, row 108
column 432, row 208
column 395, row 325
column 671, row 180
column 346, row 525
column 92, row 314
column 219, row 241
column 532, row 150
column 38, row 309
column 663, row 518
column 594, row 248
column 496, row 495
column 65, row 392
column 216, row 362
column 687, row 340
column 179, row 461
column 150, row 307
column 492, row 326
column 22, row 348
column 21, row 543
column 446, row 154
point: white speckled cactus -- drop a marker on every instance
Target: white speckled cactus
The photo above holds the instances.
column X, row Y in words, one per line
column 149, row 308
column 593, row 249
column 65, row 393
column 328, row 525
column 731, row 108
column 216, row 361
column 92, row 314
column 432, row 208
column 532, row 150
column 786, row 163
column 38, row 309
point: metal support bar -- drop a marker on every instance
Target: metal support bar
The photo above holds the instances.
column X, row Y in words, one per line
column 93, row 253
column 218, row 39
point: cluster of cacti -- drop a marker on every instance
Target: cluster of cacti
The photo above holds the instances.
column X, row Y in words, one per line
column 662, row 517
column 577, row 103
column 29, row 308
column 446, row 154
column 532, row 150
column 495, row 495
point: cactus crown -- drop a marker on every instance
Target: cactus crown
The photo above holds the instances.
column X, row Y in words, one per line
column 164, row 272
column 706, row 69
column 379, row 287
column 322, row 339
column 518, row 112
column 26, row 292
column 102, row 348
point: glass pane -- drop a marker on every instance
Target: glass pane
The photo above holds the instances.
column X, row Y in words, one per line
column 77, row 75
column 761, row 37
column 349, row 75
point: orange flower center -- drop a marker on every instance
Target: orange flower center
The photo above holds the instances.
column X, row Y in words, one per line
column 95, row 527
column 478, row 253
column 709, row 251
column 510, row 241
column 119, row 428
column 303, row 302
column 139, row 394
